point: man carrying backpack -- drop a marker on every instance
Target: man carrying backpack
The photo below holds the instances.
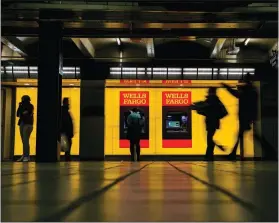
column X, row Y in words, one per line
column 135, row 124
column 213, row 110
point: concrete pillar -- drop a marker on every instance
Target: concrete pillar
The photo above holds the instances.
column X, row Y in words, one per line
column 49, row 90
column 92, row 120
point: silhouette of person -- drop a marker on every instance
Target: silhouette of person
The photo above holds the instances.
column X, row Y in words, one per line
column 135, row 125
column 210, row 108
column 67, row 126
column 247, row 114
column 25, row 112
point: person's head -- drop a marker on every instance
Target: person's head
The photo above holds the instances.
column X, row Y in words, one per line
column 25, row 99
column 212, row 91
column 66, row 102
column 135, row 110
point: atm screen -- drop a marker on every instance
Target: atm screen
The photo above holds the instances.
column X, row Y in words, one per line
column 177, row 121
column 172, row 124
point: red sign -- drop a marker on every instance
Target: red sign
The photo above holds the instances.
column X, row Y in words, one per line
column 134, row 81
column 134, row 98
column 176, row 82
column 176, row 98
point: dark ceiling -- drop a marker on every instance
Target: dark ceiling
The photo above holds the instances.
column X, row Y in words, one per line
column 204, row 18
column 201, row 29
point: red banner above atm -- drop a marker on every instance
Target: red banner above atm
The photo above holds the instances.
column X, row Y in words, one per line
column 122, row 81
column 176, row 82
column 133, row 98
column 179, row 98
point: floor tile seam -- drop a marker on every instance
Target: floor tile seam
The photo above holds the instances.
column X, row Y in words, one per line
column 56, row 177
column 247, row 205
column 227, row 171
column 60, row 215
column 24, row 172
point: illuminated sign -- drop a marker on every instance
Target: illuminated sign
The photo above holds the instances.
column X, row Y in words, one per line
column 176, row 98
column 128, row 98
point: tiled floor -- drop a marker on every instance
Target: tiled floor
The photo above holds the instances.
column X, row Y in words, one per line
column 146, row 191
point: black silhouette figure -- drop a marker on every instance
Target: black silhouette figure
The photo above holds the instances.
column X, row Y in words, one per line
column 135, row 123
column 67, row 126
column 213, row 110
column 247, row 114
column 25, row 112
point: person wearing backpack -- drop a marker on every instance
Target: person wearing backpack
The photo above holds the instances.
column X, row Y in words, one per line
column 213, row 110
column 135, row 124
column 25, row 113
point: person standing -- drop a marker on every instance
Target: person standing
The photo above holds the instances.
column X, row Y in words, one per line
column 25, row 113
column 247, row 114
column 67, row 127
column 213, row 110
column 135, row 124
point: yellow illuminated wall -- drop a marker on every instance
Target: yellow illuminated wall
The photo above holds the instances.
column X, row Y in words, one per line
column 73, row 94
column 226, row 135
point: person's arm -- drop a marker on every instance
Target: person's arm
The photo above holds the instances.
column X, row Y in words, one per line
column 71, row 126
column 129, row 120
column 201, row 107
column 234, row 92
column 28, row 110
column 19, row 110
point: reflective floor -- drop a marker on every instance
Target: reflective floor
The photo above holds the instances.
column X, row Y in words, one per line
column 146, row 191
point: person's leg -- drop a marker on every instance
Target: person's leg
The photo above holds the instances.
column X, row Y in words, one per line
column 68, row 153
column 21, row 136
column 138, row 149
column 241, row 144
column 232, row 155
column 233, row 152
column 27, row 130
column 132, row 144
column 210, row 144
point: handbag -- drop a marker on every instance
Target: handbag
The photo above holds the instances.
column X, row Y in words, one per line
column 64, row 143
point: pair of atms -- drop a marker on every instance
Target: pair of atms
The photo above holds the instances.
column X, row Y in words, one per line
column 171, row 127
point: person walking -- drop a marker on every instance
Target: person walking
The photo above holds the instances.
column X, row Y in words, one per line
column 247, row 114
column 213, row 110
column 67, row 127
column 25, row 113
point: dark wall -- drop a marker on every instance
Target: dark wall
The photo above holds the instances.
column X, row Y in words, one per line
column 269, row 107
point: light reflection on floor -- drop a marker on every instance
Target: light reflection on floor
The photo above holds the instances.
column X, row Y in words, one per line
column 146, row 191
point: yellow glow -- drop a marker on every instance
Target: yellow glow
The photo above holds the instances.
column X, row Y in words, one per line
column 73, row 94
column 225, row 135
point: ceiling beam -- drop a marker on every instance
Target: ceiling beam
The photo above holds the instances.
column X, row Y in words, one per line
column 150, row 47
column 147, row 33
column 14, row 44
column 85, row 46
column 217, row 47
